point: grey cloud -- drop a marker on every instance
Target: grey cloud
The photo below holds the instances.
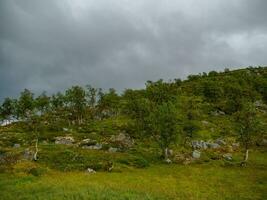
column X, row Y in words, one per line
column 51, row 45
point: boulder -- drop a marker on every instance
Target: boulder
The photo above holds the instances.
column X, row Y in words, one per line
column 196, row 154
column 91, row 171
column 97, row 146
column 220, row 142
column 67, row 140
column 168, row 161
column 213, row 145
column 16, row 146
column 235, row 146
column 199, row 144
column 179, row 158
column 88, row 142
column 28, row 154
column 122, row 140
column 112, row 149
column 228, row 156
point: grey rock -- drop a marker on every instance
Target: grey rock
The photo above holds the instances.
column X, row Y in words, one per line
column 88, row 142
column 235, row 146
column 16, row 145
column 205, row 122
column 67, row 140
column 122, row 140
column 94, row 147
column 168, row 161
column 112, row 149
column 213, row 145
column 220, row 142
column 28, row 154
column 199, row 144
column 91, row 171
column 65, row 129
column 228, row 156
column 196, row 154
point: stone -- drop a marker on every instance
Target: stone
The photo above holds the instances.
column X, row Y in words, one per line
column 213, row 145
column 228, row 156
column 235, row 146
column 122, row 140
column 91, row 171
column 112, row 149
column 205, row 122
column 28, row 154
column 16, row 146
column 199, row 145
column 196, row 154
column 220, row 142
column 179, row 158
column 65, row 129
column 97, row 146
column 88, row 142
column 67, row 140
column 170, row 152
column 168, row 161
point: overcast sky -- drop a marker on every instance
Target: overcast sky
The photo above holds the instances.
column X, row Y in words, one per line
column 53, row 44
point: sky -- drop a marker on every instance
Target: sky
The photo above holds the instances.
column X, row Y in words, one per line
column 50, row 45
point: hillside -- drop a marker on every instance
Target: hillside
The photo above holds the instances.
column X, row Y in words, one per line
column 197, row 135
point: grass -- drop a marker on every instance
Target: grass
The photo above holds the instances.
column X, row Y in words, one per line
column 197, row 181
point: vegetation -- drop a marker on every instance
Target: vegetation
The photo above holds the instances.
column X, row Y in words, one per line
column 171, row 140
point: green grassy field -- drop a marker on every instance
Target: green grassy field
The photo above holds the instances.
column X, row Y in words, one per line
column 197, row 181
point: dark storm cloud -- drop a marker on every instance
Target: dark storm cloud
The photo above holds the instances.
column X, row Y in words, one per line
column 51, row 45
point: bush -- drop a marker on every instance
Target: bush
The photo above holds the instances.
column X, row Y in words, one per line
column 37, row 171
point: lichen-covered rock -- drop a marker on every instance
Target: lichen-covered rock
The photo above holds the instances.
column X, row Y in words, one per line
column 67, row 140
column 97, row 146
column 196, row 154
column 228, row 156
column 122, row 140
column 16, row 145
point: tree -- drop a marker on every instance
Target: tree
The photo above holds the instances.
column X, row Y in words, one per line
column 163, row 124
column 42, row 103
column 7, row 110
column 248, row 126
column 25, row 104
column 76, row 102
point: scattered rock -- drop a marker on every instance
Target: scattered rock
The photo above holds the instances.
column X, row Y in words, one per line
column 205, row 122
column 16, row 146
column 88, row 142
column 179, row 158
column 213, row 145
column 122, row 140
column 91, row 171
column 95, row 147
column 65, row 129
column 196, row 154
column 67, row 140
column 220, row 142
column 199, row 144
column 168, row 161
column 28, row 154
column 235, row 146
column 112, row 149
column 228, row 156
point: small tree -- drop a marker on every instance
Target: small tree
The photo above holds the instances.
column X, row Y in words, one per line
column 163, row 124
column 248, row 126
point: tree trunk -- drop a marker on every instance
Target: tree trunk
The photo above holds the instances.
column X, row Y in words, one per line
column 246, row 156
column 36, row 150
column 244, row 162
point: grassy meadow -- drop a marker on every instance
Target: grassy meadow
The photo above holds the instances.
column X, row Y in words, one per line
column 213, row 180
